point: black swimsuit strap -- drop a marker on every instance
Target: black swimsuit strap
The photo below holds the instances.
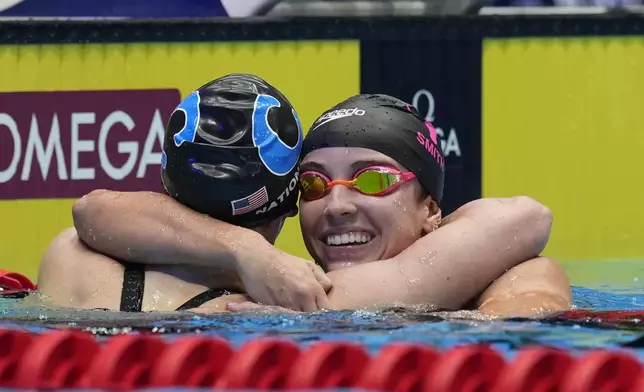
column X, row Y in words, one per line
column 133, row 287
column 14, row 293
column 202, row 298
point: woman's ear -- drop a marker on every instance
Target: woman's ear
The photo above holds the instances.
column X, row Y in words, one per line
column 433, row 216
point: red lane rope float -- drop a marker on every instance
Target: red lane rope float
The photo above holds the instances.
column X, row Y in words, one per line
column 13, row 344
column 328, row 365
column 639, row 384
column 602, row 371
column 465, row 369
column 71, row 360
column 534, row 369
column 191, row 362
column 609, row 316
column 15, row 281
column 56, row 360
column 260, row 364
column 125, row 363
column 398, row 367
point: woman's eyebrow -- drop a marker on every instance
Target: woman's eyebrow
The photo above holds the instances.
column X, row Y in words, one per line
column 357, row 165
column 311, row 166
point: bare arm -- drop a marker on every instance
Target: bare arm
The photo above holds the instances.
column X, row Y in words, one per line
column 152, row 228
column 537, row 286
column 453, row 264
column 447, row 268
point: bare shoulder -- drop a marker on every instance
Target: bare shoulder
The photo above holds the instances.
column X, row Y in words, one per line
column 54, row 261
column 73, row 275
column 541, row 274
column 542, row 266
column 552, row 271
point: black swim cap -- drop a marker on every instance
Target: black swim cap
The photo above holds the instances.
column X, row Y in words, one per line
column 389, row 126
column 231, row 151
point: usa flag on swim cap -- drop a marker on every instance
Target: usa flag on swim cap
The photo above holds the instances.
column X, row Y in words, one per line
column 250, row 203
column 134, row 9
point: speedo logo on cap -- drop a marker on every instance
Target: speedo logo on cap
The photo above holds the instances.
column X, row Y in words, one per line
column 336, row 114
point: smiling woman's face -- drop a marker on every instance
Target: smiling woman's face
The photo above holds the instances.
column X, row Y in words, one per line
column 346, row 227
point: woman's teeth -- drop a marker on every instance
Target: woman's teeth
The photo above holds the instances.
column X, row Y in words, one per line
column 348, row 238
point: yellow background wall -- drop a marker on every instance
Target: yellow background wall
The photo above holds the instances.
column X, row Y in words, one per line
column 563, row 122
column 330, row 69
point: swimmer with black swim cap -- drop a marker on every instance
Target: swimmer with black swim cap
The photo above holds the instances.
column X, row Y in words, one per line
column 391, row 170
column 231, row 150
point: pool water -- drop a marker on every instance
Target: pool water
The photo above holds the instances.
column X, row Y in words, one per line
column 599, row 286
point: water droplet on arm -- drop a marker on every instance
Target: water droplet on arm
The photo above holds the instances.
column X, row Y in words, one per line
column 427, row 257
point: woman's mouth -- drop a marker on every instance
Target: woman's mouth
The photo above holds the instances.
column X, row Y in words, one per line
column 349, row 238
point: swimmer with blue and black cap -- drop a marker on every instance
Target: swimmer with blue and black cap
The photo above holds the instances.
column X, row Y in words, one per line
column 230, row 152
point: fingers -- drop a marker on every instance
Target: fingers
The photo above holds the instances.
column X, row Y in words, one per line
column 313, row 294
column 308, row 303
column 321, row 277
column 322, row 301
column 301, row 289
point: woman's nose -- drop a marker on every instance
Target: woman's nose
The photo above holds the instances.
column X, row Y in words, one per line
column 340, row 202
